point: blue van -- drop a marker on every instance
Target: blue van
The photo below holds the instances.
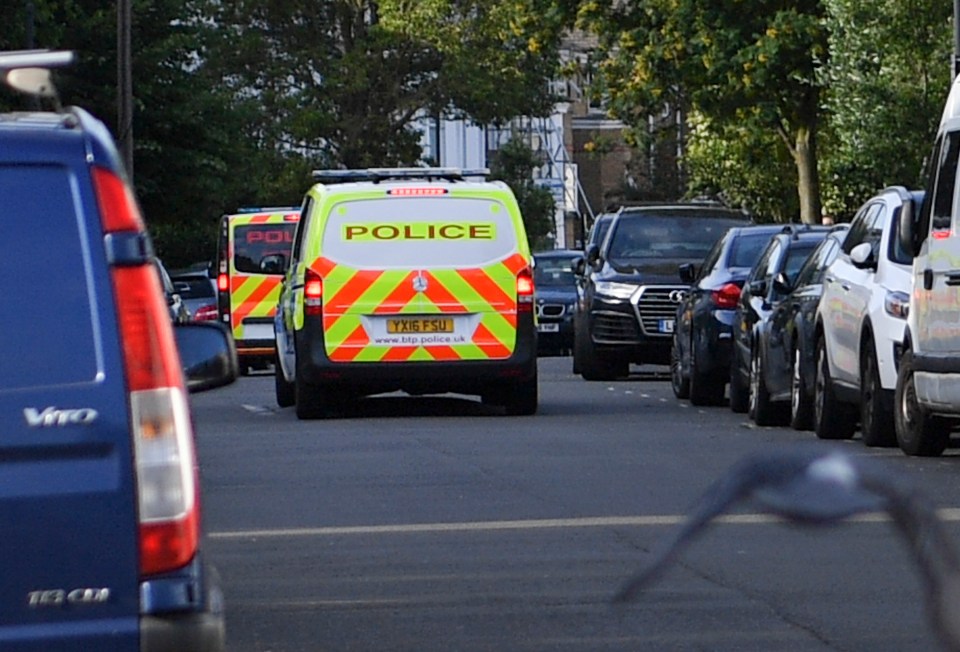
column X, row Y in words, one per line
column 99, row 495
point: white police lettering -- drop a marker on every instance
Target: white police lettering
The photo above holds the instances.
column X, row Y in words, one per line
column 53, row 416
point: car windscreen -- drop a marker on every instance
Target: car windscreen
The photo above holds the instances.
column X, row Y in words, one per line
column 554, row 271
column 48, row 296
column 666, row 237
column 254, row 242
column 746, row 248
column 419, row 232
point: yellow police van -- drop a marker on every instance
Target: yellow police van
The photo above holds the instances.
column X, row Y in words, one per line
column 248, row 277
column 410, row 279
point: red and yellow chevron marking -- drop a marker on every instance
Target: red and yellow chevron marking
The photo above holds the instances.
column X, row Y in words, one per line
column 353, row 297
column 252, row 296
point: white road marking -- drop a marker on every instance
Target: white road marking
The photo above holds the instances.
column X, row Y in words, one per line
column 947, row 515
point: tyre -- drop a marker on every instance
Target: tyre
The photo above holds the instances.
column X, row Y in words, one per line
column 311, row 401
column 761, row 409
column 876, row 409
column 831, row 418
column 739, row 392
column 679, row 382
column 801, row 402
column 705, row 389
column 918, row 433
column 591, row 364
column 522, row 398
column 286, row 392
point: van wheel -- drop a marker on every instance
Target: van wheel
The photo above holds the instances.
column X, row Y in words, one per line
column 312, row 401
column 801, row 406
column 831, row 418
column 591, row 364
column 876, row 411
column 679, row 382
column 918, row 433
column 522, row 398
column 286, row 391
column 739, row 392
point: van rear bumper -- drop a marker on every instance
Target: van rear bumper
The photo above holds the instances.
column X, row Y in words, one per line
column 204, row 632
column 435, row 377
column 937, row 381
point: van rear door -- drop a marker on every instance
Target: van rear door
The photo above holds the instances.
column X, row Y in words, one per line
column 419, row 278
column 69, row 550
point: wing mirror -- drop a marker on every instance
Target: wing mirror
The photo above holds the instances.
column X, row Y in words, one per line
column 758, row 288
column 273, row 264
column 909, row 234
column 863, row 257
column 688, row 272
column 593, row 255
column 781, row 284
column 208, row 355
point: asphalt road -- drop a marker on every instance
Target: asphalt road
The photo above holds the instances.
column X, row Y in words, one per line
column 438, row 524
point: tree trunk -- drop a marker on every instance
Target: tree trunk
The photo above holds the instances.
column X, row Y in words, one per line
column 808, row 179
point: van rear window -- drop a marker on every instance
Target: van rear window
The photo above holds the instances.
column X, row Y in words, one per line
column 419, row 232
column 47, row 293
column 252, row 243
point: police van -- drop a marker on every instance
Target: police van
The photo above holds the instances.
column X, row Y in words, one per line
column 248, row 279
column 410, row 279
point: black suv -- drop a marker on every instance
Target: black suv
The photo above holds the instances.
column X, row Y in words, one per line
column 100, row 495
column 630, row 291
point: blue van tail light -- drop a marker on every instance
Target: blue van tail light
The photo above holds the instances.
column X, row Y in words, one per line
column 525, row 290
column 312, row 293
column 164, row 456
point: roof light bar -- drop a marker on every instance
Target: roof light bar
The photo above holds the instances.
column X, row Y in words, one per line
column 381, row 174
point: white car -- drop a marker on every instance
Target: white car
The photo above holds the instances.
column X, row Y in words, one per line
column 860, row 324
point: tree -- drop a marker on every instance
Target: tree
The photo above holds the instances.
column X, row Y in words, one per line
column 887, row 78
column 514, row 164
column 756, row 67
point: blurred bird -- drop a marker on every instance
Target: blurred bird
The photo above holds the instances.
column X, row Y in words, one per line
column 821, row 485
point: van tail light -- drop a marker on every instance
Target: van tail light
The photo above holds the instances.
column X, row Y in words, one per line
column 163, row 448
column 727, row 296
column 223, row 283
column 312, row 293
column 525, row 290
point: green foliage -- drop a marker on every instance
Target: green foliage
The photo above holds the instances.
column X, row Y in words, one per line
column 514, row 164
column 745, row 166
column 887, row 79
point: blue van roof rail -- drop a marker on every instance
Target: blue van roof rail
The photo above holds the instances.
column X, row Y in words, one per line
column 381, row 174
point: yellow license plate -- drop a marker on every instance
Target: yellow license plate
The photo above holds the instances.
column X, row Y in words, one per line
column 420, row 325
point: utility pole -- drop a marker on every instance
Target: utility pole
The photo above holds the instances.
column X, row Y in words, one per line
column 125, row 87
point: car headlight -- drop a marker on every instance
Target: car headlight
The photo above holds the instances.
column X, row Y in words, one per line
column 615, row 290
column 897, row 304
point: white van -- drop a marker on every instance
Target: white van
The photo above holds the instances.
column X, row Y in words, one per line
column 928, row 380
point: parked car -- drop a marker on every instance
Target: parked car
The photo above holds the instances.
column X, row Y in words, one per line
column 627, row 310
column 555, row 296
column 794, row 321
column 756, row 371
column 175, row 304
column 102, row 546
column 701, row 350
column 860, row 324
column 198, row 292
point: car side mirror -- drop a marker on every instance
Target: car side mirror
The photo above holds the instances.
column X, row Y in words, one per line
column 907, row 231
column 862, row 256
column 273, row 264
column 688, row 272
column 208, row 355
column 579, row 266
column 781, row 284
column 593, row 255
